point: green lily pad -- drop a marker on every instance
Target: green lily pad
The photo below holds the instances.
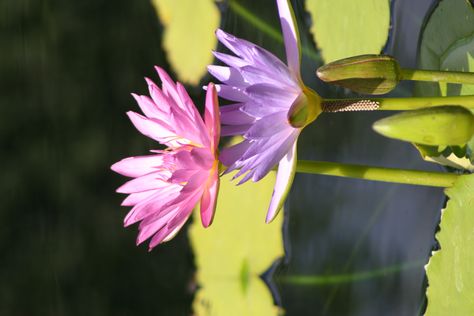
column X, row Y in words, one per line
column 448, row 44
column 347, row 28
column 189, row 35
column 235, row 250
column 450, row 273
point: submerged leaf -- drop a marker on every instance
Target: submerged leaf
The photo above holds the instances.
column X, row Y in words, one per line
column 346, row 28
column 450, row 273
column 189, row 35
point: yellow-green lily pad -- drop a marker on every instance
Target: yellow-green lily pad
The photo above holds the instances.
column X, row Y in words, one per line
column 344, row 28
column 450, row 272
column 189, row 35
column 235, row 250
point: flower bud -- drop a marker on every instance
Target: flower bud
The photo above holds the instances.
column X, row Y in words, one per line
column 440, row 126
column 305, row 109
column 367, row 74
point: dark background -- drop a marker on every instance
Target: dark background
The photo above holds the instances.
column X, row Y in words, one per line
column 66, row 72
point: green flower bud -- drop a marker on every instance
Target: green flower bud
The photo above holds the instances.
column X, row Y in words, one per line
column 437, row 126
column 367, row 74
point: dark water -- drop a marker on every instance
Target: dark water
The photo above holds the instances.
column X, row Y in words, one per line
column 66, row 71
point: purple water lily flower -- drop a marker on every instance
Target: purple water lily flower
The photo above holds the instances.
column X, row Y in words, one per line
column 272, row 105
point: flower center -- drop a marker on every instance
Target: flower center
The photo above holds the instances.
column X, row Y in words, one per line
column 305, row 109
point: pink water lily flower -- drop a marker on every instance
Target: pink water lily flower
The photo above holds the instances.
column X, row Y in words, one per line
column 169, row 183
column 272, row 105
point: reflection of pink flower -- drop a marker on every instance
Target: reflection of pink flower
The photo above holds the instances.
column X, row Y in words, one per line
column 271, row 107
column 169, row 183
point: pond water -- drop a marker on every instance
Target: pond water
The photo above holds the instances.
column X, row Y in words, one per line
column 353, row 247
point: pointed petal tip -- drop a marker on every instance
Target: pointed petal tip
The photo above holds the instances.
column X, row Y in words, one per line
column 149, row 81
column 206, row 223
column 272, row 214
column 159, row 69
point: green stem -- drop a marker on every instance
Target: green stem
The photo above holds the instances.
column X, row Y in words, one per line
column 395, row 104
column 349, row 277
column 266, row 28
column 414, row 177
column 437, row 76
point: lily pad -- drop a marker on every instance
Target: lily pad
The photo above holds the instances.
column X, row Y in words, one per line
column 189, row 35
column 450, row 273
column 347, row 28
column 232, row 253
column 448, row 44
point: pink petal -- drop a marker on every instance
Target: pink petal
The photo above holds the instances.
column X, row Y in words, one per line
column 147, row 182
column 290, row 35
column 138, row 166
column 163, row 102
column 152, row 128
column 209, row 199
column 153, row 204
column 202, row 158
column 146, row 231
column 135, row 198
column 285, row 176
column 166, row 233
column 169, row 87
column 211, row 116
column 191, row 109
column 165, row 223
column 148, row 107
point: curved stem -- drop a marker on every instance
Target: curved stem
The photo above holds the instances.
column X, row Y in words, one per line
column 395, row 104
column 437, row 76
column 414, row 177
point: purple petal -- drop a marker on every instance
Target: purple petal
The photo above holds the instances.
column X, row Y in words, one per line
column 290, row 35
column 238, row 46
column 231, row 130
column 228, row 75
column 233, row 115
column 262, row 146
column 265, row 165
column 274, row 66
column 284, row 180
column 230, row 60
column 231, row 93
column 254, row 75
column 259, row 110
column 272, row 96
column 268, row 125
column 264, row 154
column 230, row 155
